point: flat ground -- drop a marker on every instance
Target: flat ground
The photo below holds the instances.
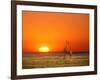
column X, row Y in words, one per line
column 45, row 61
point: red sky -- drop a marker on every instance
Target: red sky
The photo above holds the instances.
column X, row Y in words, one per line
column 53, row 29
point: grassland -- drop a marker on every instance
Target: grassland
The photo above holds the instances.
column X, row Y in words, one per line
column 45, row 61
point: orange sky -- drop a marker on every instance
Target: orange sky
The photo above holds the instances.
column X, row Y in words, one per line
column 53, row 29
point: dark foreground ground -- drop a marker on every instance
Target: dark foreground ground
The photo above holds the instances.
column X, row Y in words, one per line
column 58, row 60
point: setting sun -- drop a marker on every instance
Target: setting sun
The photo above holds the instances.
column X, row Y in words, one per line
column 44, row 49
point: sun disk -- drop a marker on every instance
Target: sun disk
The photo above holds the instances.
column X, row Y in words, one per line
column 44, row 49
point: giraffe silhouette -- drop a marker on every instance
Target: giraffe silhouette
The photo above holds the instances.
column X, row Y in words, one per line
column 67, row 49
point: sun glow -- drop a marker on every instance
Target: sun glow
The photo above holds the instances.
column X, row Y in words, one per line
column 44, row 49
